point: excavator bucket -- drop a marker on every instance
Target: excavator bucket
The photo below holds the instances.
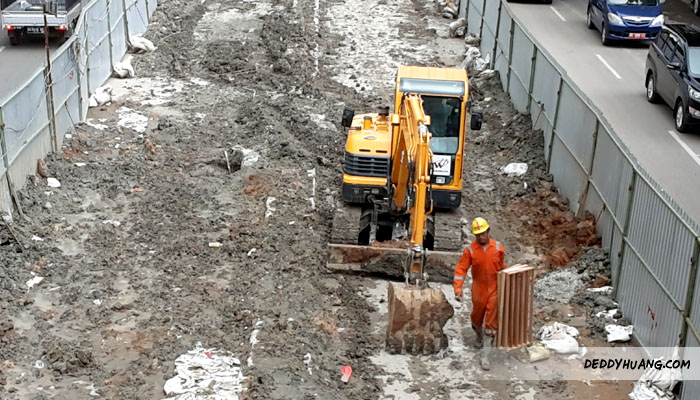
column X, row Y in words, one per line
column 416, row 315
column 416, row 320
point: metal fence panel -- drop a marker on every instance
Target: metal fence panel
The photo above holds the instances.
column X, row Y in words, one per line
column 82, row 64
column 137, row 16
column 521, row 66
column 488, row 41
column 695, row 307
column 491, row 15
column 117, row 29
column 545, row 91
column 478, row 5
column 691, row 388
column 64, row 76
column 5, row 200
column 615, row 254
column 576, row 125
column 569, row 177
column 657, row 323
column 614, row 187
column 474, row 17
column 24, row 115
column 462, row 8
column 67, row 116
column 99, row 60
column 502, row 48
column 662, row 240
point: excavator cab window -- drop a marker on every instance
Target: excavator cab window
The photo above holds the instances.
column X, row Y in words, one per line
column 445, row 117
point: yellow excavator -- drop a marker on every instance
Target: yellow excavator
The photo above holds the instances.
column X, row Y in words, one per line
column 401, row 193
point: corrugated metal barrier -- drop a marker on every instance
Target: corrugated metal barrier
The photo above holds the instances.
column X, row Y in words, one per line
column 34, row 119
column 654, row 271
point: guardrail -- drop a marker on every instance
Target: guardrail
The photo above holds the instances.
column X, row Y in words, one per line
column 35, row 117
column 653, row 244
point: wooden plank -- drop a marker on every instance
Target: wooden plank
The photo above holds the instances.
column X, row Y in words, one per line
column 500, row 281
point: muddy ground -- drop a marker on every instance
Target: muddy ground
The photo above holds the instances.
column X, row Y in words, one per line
column 128, row 246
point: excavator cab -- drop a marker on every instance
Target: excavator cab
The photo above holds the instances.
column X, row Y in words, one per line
column 401, row 194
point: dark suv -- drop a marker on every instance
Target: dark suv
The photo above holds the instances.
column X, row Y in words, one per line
column 673, row 72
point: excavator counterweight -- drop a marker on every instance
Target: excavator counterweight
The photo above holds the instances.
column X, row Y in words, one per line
column 401, row 192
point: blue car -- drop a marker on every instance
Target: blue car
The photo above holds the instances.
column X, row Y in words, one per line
column 625, row 19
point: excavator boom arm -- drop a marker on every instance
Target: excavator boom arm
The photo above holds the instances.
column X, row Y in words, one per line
column 412, row 169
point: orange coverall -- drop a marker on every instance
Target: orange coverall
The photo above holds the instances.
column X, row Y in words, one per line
column 486, row 265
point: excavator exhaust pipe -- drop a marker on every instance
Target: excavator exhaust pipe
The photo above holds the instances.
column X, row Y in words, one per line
column 417, row 317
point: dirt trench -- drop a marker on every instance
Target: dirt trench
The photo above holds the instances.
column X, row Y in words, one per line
column 154, row 242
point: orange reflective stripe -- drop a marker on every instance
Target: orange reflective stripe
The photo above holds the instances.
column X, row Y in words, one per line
column 459, row 278
column 498, row 245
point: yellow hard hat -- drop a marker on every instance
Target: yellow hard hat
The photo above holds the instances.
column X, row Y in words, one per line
column 479, row 225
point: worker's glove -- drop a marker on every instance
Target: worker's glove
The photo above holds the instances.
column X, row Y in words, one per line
column 459, row 296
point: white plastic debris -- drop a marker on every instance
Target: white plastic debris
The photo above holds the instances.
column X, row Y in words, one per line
column 251, row 251
column 140, row 44
column 99, row 127
column 36, row 238
column 205, row 374
column 617, row 333
column 124, row 69
column 269, row 208
column 39, row 364
column 487, row 73
column 657, row 384
column 80, row 164
column 560, row 338
column 581, row 353
column 53, row 182
column 102, row 96
column 215, row 244
column 34, row 281
column 604, row 289
column 97, row 302
column 514, row 169
column 607, row 314
column 472, row 40
column 111, row 222
column 456, row 25
column 250, row 157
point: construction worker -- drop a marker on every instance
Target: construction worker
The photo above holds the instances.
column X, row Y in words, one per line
column 485, row 256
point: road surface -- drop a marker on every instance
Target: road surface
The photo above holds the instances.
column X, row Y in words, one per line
column 19, row 63
column 613, row 78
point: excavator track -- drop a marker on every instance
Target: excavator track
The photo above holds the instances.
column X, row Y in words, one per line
column 346, row 223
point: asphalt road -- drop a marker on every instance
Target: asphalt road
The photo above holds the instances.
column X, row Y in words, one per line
column 613, row 78
column 19, row 63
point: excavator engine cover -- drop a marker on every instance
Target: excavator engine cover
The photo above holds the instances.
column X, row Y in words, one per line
column 416, row 320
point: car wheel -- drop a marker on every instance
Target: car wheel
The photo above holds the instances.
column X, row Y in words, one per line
column 604, row 35
column 589, row 19
column 680, row 117
column 652, row 94
column 696, row 7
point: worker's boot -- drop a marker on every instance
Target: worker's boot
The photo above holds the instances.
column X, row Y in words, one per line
column 479, row 330
column 485, row 364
